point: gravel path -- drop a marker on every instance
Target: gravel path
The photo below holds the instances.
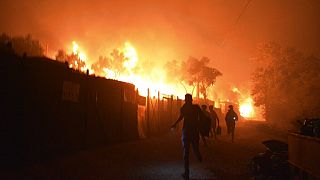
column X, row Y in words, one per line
column 155, row 158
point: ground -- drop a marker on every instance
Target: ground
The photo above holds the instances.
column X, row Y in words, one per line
column 156, row 158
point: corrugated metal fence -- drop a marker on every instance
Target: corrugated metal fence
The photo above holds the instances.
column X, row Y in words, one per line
column 47, row 108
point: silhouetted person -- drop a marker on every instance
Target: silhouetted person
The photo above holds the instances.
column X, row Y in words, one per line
column 231, row 118
column 214, row 120
column 190, row 132
column 205, row 124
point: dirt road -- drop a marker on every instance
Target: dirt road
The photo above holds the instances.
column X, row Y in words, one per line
column 156, row 158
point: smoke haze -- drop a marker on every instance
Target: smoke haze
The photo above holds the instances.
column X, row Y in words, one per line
column 167, row 30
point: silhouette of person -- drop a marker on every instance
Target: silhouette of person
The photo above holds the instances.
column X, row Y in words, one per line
column 231, row 118
column 214, row 120
column 205, row 124
column 190, row 131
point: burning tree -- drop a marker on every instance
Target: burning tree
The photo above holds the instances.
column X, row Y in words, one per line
column 110, row 64
column 119, row 62
column 195, row 73
column 75, row 60
column 286, row 84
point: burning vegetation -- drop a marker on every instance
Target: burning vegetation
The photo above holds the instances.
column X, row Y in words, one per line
column 193, row 75
column 76, row 60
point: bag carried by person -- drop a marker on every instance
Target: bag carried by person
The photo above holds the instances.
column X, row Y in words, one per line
column 218, row 130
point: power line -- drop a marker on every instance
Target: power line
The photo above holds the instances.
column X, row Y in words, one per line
column 237, row 21
column 242, row 12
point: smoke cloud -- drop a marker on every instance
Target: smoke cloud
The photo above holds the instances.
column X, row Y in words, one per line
column 165, row 30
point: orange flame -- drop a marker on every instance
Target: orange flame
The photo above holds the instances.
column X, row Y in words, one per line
column 246, row 108
column 80, row 62
column 152, row 80
column 75, row 49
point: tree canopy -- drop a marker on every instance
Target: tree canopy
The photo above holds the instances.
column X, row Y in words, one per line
column 194, row 72
column 72, row 59
column 113, row 62
column 286, row 84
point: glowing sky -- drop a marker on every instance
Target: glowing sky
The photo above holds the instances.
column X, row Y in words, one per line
column 176, row 29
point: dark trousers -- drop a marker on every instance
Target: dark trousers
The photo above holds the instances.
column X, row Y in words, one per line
column 187, row 139
column 231, row 125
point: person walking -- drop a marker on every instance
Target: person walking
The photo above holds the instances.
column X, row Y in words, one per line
column 190, row 113
column 231, row 118
column 205, row 124
column 214, row 121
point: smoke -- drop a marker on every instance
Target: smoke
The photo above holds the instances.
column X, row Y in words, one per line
column 163, row 30
column 286, row 84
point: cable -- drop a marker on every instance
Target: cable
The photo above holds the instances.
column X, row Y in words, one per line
column 237, row 21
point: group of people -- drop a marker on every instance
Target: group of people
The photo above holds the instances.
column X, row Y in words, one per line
column 208, row 122
column 199, row 122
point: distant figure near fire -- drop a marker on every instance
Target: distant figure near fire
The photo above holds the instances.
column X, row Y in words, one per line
column 214, row 120
column 231, row 118
column 190, row 131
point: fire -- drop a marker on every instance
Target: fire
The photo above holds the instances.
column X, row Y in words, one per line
column 78, row 59
column 124, row 65
column 131, row 55
column 75, row 47
column 235, row 90
column 142, row 80
column 246, row 108
column 75, row 50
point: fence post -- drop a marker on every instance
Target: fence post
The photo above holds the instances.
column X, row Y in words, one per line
column 158, row 109
column 148, row 113
column 171, row 108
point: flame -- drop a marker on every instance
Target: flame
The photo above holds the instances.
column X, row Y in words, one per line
column 153, row 82
column 79, row 62
column 131, row 55
column 246, row 108
column 235, row 90
column 75, row 49
column 145, row 80
column 109, row 73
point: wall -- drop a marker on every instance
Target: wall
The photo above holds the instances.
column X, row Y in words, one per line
column 48, row 108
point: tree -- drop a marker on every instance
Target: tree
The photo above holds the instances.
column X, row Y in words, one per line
column 72, row 59
column 23, row 45
column 173, row 72
column 198, row 74
column 195, row 73
column 286, row 84
column 114, row 62
column 61, row 55
column 207, row 78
